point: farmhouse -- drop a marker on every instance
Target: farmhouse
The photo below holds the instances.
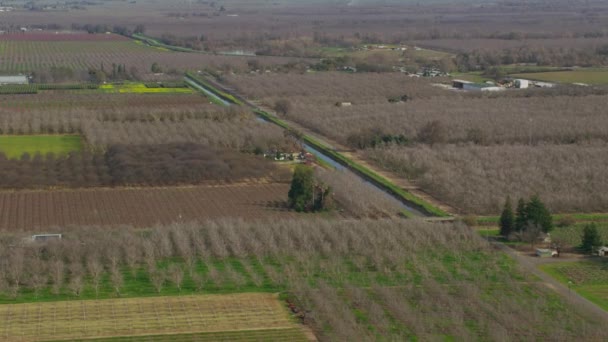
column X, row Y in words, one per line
column 13, row 80
column 522, row 84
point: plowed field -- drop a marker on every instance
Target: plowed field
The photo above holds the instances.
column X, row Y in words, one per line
column 140, row 207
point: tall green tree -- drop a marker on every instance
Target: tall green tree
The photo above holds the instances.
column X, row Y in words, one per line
column 521, row 218
column 507, row 219
column 302, row 187
column 591, row 238
column 539, row 215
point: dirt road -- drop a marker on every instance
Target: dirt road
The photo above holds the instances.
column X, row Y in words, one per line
column 578, row 301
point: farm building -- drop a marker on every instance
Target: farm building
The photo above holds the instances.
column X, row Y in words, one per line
column 46, row 237
column 343, row 104
column 460, row 83
column 522, row 84
column 13, row 80
column 603, row 251
column 470, row 86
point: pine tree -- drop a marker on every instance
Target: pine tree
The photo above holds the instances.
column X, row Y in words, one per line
column 507, row 219
column 539, row 215
column 521, row 218
column 591, row 238
column 301, row 191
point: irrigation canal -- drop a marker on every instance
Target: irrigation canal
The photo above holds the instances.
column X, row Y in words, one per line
column 319, row 154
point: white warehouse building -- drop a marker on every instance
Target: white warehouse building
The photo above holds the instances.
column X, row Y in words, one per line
column 13, row 80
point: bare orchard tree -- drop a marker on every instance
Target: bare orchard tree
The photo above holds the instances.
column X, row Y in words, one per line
column 131, row 246
column 150, row 255
column 38, row 277
column 76, row 284
column 198, row 280
column 15, row 270
column 95, row 269
column 183, row 246
column 57, row 268
column 117, row 280
column 177, row 275
column 157, row 278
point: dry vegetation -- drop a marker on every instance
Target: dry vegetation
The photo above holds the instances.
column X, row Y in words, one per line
column 352, row 280
column 477, row 179
column 546, row 142
column 22, row 55
column 135, row 121
column 357, row 196
column 545, row 116
column 135, row 140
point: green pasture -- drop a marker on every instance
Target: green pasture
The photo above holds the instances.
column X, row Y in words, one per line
column 14, row 146
column 588, row 278
column 587, row 76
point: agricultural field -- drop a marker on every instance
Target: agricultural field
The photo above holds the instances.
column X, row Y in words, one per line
column 234, row 313
column 141, row 207
column 587, row 278
column 14, row 146
column 454, row 145
column 24, row 54
column 346, row 280
column 136, row 206
column 592, row 76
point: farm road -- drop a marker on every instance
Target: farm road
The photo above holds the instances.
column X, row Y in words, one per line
column 571, row 296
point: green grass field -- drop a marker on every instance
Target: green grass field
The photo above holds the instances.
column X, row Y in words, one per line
column 14, row 146
column 587, row 278
column 587, row 76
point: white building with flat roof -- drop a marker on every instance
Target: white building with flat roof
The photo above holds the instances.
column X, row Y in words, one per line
column 13, row 80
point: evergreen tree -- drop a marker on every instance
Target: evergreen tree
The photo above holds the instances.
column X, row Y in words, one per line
column 521, row 218
column 539, row 215
column 591, row 238
column 301, row 191
column 507, row 219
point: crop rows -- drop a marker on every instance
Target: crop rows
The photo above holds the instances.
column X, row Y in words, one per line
column 141, row 207
column 350, row 280
column 28, row 56
column 270, row 335
column 124, row 317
